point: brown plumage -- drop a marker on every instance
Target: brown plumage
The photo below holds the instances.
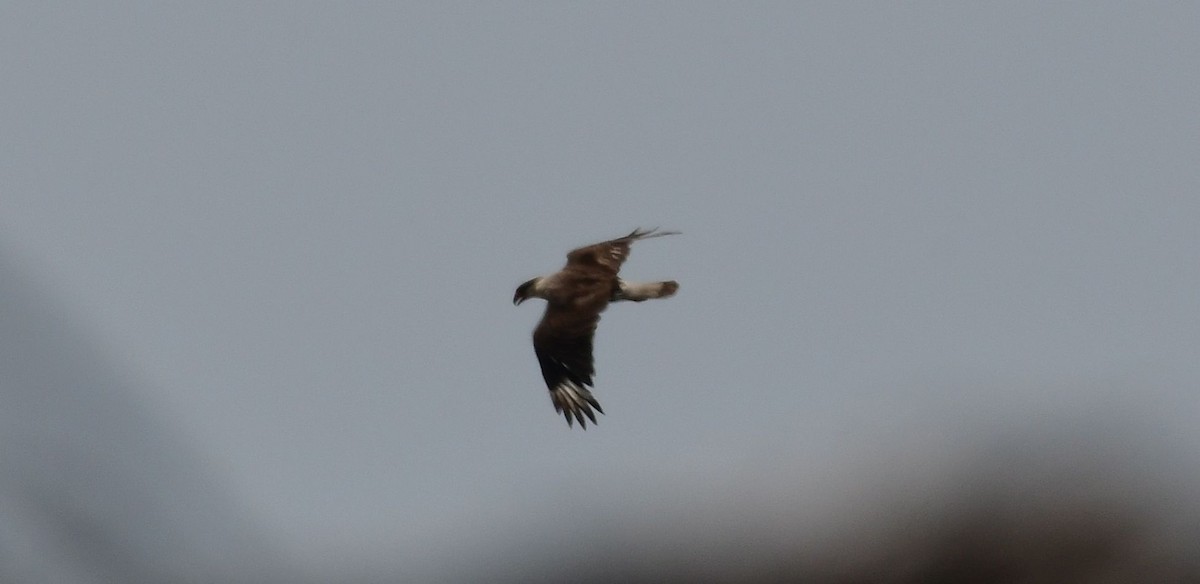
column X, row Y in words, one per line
column 575, row 296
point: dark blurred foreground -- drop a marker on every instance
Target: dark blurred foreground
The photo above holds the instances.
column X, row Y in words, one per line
column 1072, row 507
column 94, row 487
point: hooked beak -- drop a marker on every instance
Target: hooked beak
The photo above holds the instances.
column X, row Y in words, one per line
column 522, row 293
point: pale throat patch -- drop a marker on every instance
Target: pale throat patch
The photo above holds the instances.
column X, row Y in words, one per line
column 541, row 286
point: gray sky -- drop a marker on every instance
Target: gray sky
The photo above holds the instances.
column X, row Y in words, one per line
column 297, row 228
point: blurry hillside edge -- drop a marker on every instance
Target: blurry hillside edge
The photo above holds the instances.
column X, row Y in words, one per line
column 92, row 488
column 1081, row 506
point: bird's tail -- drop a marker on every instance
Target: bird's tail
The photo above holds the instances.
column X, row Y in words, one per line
column 639, row 291
column 573, row 400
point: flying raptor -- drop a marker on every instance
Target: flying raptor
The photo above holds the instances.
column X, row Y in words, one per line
column 575, row 296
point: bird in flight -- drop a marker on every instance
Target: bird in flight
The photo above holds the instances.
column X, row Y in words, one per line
column 575, row 296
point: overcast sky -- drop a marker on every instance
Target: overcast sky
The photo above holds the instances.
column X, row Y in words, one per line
column 296, row 228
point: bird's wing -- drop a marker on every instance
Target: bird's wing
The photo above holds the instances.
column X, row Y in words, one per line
column 609, row 255
column 563, row 343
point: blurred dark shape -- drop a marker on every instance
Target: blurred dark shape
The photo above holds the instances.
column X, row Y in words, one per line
column 1096, row 502
column 92, row 487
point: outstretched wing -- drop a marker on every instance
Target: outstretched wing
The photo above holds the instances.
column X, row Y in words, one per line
column 563, row 343
column 609, row 255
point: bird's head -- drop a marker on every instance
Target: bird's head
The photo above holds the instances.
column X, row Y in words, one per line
column 524, row 292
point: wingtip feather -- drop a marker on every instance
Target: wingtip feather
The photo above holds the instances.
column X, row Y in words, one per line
column 576, row 403
column 640, row 233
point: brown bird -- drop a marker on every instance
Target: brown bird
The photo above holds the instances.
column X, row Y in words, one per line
column 575, row 296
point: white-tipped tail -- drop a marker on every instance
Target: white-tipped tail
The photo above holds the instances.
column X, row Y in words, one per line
column 574, row 402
